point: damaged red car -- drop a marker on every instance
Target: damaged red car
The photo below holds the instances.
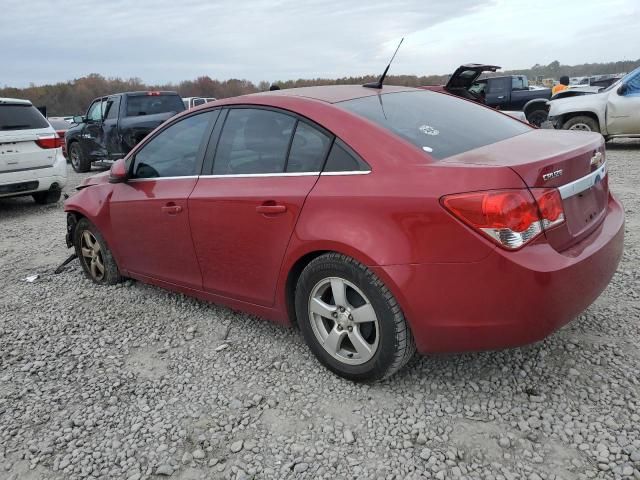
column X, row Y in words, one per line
column 379, row 221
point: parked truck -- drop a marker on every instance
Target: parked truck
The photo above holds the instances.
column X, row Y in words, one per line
column 114, row 124
column 508, row 92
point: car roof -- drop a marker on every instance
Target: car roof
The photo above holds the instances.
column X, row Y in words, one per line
column 14, row 101
column 336, row 93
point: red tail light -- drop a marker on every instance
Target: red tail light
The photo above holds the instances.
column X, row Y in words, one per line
column 49, row 141
column 511, row 218
column 61, row 133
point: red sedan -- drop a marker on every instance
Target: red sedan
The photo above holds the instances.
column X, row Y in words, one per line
column 378, row 221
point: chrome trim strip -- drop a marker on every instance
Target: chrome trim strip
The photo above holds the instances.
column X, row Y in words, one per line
column 257, row 175
column 585, row 183
column 160, row 178
column 351, row 172
column 267, row 175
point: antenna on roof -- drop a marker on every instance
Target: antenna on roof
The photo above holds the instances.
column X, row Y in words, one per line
column 380, row 81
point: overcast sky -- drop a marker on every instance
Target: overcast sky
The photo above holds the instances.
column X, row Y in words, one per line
column 44, row 41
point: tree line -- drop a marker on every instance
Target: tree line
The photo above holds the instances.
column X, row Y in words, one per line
column 74, row 96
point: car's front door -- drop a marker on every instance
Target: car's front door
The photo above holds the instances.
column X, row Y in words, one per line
column 150, row 214
column 623, row 107
column 110, row 128
column 93, row 134
column 243, row 214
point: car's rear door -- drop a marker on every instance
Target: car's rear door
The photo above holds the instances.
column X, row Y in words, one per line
column 243, row 213
column 150, row 213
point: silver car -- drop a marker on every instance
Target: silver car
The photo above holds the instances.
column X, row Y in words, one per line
column 614, row 111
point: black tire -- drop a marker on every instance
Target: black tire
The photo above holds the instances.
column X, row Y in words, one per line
column 537, row 117
column 110, row 274
column 48, row 196
column 79, row 161
column 395, row 343
column 581, row 123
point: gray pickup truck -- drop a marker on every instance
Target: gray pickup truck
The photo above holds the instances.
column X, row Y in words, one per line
column 114, row 124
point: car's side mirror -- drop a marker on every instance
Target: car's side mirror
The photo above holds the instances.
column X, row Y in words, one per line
column 623, row 89
column 118, row 173
column 78, row 119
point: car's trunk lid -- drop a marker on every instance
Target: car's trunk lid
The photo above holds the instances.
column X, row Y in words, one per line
column 573, row 162
column 20, row 152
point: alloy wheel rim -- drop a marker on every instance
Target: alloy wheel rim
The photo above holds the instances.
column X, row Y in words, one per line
column 75, row 157
column 92, row 255
column 344, row 321
column 583, row 127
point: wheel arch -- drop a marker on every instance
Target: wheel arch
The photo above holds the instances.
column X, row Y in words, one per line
column 297, row 263
column 535, row 104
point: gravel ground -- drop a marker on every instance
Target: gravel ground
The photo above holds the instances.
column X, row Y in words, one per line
column 136, row 382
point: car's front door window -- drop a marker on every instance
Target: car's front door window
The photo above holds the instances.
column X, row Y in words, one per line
column 96, row 111
column 174, row 151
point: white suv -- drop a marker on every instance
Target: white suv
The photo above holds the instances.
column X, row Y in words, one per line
column 31, row 160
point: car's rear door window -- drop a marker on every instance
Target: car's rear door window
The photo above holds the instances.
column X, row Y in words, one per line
column 20, row 117
column 174, row 151
column 308, row 149
column 253, row 141
column 440, row 125
column 343, row 159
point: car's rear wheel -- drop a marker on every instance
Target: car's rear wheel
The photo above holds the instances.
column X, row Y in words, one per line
column 95, row 256
column 350, row 319
column 79, row 162
column 581, row 123
column 48, row 196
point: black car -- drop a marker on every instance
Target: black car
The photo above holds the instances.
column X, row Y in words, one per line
column 114, row 124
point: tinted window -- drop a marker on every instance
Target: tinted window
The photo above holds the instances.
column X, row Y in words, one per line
column 21, row 117
column 308, row 149
column 198, row 101
column 496, row 86
column 111, row 111
column 96, row 111
column 343, row 159
column 633, row 84
column 174, row 151
column 253, row 141
column 151, row 104
column 438, row 124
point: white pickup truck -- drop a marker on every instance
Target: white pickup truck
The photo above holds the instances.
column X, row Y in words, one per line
column 614, row 111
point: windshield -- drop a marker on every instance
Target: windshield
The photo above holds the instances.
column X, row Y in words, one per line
column 441, row 125
column 151, row 104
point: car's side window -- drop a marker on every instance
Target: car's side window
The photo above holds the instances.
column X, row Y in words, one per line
column 111, row 110
column 633, row 86
column 174, row 151
column 198, row 101
column 496, row 86
column 343, row 159
column 308, row 149
column 96, row 111
column 253, row 141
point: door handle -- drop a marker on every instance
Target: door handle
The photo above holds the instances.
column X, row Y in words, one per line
column 501, row 97
column 271, row 208
column 171, row 208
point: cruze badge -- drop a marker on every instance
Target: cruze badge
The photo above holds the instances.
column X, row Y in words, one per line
column 555, row 174
column 596, row 160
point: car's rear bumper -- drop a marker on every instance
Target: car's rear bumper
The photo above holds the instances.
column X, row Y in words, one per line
column 26, row 182
column 509, row 298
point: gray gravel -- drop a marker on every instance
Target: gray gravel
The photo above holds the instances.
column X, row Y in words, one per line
column 135, row 382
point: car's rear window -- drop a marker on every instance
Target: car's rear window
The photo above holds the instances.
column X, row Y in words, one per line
column 151, row 104
column 21, row 117
column 440, row 125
